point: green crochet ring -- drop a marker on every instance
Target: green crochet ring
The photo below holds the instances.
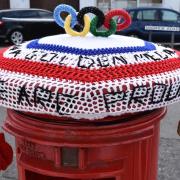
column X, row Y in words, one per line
column 95, row 32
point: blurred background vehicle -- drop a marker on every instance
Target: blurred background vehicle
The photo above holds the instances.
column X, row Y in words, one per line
column 18, row 25
column 160, row 23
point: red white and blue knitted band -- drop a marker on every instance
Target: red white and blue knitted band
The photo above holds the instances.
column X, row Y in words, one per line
column 89, row 78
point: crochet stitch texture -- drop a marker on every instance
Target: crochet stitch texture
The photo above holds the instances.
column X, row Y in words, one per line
column 90, row 78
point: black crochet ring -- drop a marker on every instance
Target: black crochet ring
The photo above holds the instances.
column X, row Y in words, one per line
column 93, row 10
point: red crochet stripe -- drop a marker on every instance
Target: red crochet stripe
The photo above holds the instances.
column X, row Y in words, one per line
column 95, row 75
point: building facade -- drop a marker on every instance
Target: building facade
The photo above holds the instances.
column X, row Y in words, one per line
column 103, row 4
column 44, row 4
column 111, row 4
column 4, row 4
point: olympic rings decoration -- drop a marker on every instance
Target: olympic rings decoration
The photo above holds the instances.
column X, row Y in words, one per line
column 118, row 12
column 69, row 30
column 83, row 21
column 93, row 10
column 65, row 8
column 112, row 30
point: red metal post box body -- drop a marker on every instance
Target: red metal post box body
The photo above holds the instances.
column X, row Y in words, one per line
column 51, row 150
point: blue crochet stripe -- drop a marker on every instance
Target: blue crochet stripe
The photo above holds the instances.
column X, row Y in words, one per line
column 90, row 52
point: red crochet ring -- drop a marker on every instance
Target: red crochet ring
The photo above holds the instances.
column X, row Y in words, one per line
column 118, row 12
column 6, row 153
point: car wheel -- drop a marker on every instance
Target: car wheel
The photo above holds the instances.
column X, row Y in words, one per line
column 16, row 37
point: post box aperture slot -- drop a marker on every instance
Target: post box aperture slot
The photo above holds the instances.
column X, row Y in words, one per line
column 70, row 157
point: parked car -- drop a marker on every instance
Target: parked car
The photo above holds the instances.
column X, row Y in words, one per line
column 160, row 21
column 25, row 24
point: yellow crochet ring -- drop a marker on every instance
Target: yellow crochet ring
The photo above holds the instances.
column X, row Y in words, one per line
column 70, row 31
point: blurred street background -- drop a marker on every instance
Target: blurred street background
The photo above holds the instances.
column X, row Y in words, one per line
column 78, row 4
column 164, row 29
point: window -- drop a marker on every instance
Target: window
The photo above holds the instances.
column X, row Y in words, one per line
column 131, row 13
column 151, row 15
column 123, row 3
column 27, row 14
column 169, row 16
column 1, row 15
column 139, row 15
column 104, row 5
column 149, row 2
column 10, row 14
column 45, row 14
column 148, row 15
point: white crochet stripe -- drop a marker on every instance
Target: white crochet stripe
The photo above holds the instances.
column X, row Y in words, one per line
column 92, row 42
column 88, row 100
column 87, row 62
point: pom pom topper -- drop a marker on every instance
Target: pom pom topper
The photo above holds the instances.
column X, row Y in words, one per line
column 82, row 21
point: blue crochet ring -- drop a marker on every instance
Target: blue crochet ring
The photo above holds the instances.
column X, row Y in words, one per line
column 64, row 8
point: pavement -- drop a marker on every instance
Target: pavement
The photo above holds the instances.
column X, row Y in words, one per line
column 169, row 153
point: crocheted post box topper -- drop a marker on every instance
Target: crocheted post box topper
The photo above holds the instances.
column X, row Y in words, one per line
column 88, row 77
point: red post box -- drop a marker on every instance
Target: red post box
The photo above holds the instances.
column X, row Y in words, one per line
column 125, row 148
column 6, row 153
column 101, row 100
